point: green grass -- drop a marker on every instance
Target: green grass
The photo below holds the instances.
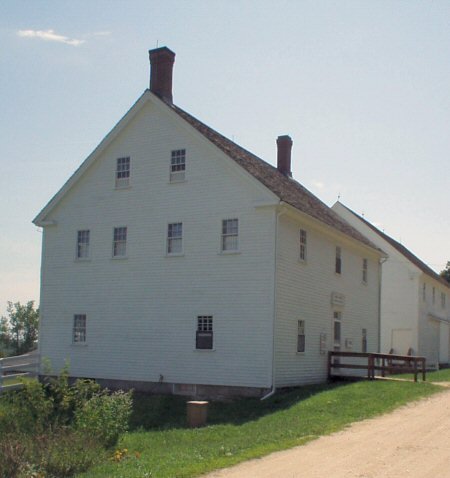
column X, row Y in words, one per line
column 245, row 429
column 442, row 375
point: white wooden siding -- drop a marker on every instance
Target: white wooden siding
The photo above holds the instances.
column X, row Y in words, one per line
column 402, row 306
column 141, row 311
column 304, row 293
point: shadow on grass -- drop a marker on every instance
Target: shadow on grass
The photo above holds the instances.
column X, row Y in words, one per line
column 169, row 411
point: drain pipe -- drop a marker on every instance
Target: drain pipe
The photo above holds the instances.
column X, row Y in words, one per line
column 274, row 389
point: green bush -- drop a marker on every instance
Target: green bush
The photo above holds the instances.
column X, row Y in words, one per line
column 57, row 454
column 27, row 411
column 57, row 430
column 105, row 416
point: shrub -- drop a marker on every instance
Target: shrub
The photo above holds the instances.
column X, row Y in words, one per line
column 27, row 411
column 105, row 416
column 60, row 454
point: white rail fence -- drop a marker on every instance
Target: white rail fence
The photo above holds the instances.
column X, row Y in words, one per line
column 14, row 368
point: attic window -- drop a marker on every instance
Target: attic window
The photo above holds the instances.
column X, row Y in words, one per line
column 364, row 271
column 338, row 265
column 82, row 244
column 123, row 173
column 178, row 165
column 302, row 245
column 230, row 235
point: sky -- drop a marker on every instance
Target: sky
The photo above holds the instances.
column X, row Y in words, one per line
column 362, row 87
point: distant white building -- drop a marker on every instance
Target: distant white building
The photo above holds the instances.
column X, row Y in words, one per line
column 176, row 261
column 415, row 309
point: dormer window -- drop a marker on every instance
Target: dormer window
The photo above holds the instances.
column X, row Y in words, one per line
column 177, row 165
column 122, row 173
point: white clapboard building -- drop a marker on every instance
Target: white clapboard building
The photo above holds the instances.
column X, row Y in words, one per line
column 415, row 309
column 176, row 261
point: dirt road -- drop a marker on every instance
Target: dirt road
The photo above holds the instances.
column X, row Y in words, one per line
column 411, row 442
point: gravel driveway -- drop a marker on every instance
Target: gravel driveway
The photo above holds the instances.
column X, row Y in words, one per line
column 411, row 442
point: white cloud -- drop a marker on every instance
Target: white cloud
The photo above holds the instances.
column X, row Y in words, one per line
column 50, row 35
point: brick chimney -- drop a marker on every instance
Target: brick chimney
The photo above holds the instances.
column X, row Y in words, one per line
column 161, row 67
column 284, row 145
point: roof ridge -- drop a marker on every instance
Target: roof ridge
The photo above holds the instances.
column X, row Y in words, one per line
column 286, row 188
column 400, row 248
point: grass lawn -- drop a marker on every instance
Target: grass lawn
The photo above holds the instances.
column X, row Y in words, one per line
column 442, row 375
column 160, row 446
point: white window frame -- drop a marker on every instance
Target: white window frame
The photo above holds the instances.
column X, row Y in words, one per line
column 365, row 270
column 82, row 252
column 174, row 239
column 301, row 336
column 338, row 261
column 229, row 239
column 123, row 172
column 119, row 246
column 303, row 245
column 177, row 165
column 79, row 329
column 204, row 325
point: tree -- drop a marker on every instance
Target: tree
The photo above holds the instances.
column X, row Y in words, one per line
column 19, row 329
column 445, row 274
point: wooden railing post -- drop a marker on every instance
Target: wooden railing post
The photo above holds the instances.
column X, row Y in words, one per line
column 423, row 370
column 415, row 370
column 329, row 365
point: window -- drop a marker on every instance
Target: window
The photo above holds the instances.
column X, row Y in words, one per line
column 424, row 292
column 230, row 234
column 301, row 336
column 175, row 238
column 364, row 271
column 337, row 317
column 123, row 173
column 79, row 329
column 82, row 244
column 443, row 300
column 204, row 335
column 364, row 341
column 302, row 245
column 338, row 266
column 178, row 165
column 434, row 295
column 120, row 242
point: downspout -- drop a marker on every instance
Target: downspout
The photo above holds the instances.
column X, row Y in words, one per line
column 274, row 389
column 380, row 279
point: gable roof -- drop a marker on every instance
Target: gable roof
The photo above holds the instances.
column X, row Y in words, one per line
column 400, row 248
column 285, row 188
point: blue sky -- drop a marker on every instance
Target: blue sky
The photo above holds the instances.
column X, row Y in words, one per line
column 362, row 87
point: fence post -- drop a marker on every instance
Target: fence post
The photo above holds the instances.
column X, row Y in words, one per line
column 415, row 370
column 329, row 365
column 370, row 367
column 423, row 370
